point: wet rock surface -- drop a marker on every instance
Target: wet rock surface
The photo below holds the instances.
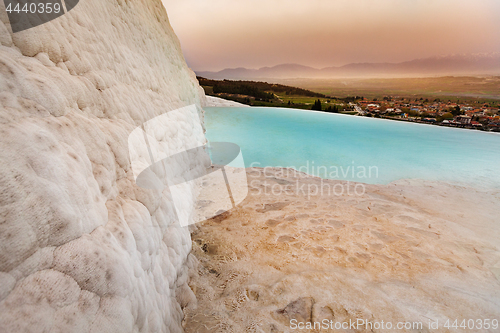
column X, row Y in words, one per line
column 391, row 254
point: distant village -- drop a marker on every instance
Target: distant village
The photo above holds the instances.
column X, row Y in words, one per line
column 465, row 115
column 470, row 113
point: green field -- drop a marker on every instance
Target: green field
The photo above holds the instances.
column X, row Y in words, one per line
column 300, row 99
column 257, row 93
column 302, row 93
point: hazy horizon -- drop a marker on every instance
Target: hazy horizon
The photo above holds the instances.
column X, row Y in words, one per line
column 220, row 34
column 364, row 62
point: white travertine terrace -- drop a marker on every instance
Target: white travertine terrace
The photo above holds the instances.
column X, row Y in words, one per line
column 212, row 101
column 412, row 251
column 82, row 247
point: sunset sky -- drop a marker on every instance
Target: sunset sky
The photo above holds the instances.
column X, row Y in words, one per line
column 218, row 34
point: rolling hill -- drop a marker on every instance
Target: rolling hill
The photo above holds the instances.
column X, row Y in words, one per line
column 479, row 64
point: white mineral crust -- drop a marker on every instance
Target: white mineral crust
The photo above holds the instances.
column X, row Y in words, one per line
column 82, row 247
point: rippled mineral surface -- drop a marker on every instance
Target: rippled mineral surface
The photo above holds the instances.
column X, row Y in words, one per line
column 410, row 251
column 82, row 247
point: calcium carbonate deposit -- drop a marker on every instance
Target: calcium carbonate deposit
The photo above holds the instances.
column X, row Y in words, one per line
column 304, row 254
column 82, row 247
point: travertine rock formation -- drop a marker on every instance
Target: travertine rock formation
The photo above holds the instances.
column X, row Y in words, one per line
column 212, row 101
column 82, row 247
column 300, row 250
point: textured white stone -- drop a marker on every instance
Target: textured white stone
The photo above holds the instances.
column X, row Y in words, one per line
column 410, row 251
column 82, row 247
column 220, row 102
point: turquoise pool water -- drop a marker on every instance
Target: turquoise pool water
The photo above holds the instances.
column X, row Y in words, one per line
column 368, row 150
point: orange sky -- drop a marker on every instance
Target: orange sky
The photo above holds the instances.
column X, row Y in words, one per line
column 218, row 34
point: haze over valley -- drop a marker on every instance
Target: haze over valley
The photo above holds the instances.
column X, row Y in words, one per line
column 478, row 64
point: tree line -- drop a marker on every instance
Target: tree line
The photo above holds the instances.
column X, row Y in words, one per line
column 330, row 108
column 255, row 89
column 243, row 89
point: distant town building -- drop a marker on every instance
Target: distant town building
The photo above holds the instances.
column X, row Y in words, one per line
column 463, row 120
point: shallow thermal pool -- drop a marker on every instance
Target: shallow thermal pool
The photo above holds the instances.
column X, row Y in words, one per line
column 361, row 149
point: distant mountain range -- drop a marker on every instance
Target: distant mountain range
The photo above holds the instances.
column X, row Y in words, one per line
column 480, row 64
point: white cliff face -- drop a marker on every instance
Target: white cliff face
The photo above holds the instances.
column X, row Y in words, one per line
column 82, row 247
